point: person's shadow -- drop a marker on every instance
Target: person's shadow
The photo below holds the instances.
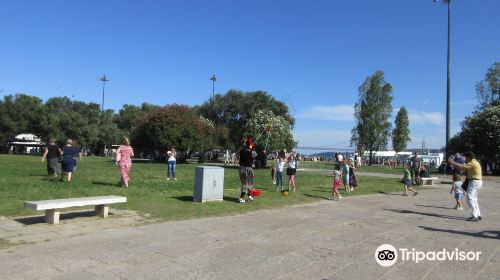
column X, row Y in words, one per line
column 491, row 234
column 426, row 214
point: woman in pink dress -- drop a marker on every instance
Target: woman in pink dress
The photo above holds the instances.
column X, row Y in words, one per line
column 124, row 161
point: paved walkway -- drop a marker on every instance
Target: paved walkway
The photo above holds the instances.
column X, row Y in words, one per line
column 325, row 240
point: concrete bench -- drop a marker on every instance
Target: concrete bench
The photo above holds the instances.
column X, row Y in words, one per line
column 146, row 160
column 428, row 181
column 53, row 207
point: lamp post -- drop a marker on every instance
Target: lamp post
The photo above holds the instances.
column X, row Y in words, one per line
column 213, row 79
column 448, row 94
column 104, row 79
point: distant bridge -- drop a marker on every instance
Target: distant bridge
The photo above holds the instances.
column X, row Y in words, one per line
column 332, row 149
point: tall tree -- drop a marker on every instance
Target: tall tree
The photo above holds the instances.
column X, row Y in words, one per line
column 481, row 135
column 401, row 132
column 488, row 90
column 234, row 108
column 372, row 113
column 269, row 131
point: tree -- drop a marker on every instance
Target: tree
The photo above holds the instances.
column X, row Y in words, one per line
column 488, row 90
column 270, row 132
column 401, row 132
column 372, row 113
column 174, row 125
column 234, row 108
column 481, row 135
column 129, row 115
column 19, row 114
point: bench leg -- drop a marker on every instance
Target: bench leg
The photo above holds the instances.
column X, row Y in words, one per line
column 102, row 210
column 52, row 216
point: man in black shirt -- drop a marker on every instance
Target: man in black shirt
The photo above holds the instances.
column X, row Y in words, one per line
column 246, row 171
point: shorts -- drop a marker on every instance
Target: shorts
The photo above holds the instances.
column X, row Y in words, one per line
column 408, row 183
column 336, row 184
column 416, row 173
column 345, row 180
column 246, row 178
column 459, row 196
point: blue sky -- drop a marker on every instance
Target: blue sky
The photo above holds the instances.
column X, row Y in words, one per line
column 312, row 55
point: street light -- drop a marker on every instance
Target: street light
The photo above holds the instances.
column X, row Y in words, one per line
column 448, row 96
column 213, row 79
column 104, row 79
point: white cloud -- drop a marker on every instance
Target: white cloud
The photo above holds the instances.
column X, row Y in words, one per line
column 421, row 117
column 328, row 113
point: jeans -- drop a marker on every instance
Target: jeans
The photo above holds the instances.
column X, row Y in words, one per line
column 279, row 180
column 171, row 169
column 472, row 192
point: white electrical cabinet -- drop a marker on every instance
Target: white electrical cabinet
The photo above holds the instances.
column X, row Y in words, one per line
column 208, row 184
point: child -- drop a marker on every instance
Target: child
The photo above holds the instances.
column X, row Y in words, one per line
column 336, row 182
column 407, row 181
column 273, row 175
column 459, row 193
column 280, row 164
column 291, row 171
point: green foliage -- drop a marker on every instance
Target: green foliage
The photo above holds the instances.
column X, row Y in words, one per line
column 174, row 125
column 481, row 135
column 271, row 132
column 488, row 90
column 232, row 109
column 401, row 132
column 372, row 113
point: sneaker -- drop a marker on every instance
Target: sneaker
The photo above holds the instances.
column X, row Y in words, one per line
column 331, row 198
column 339, row 197
column 250, row 197
column 175, row 179
column 480, row 218
column 168, row 179
column 242, row 200
column 415, row 194
column 460, row 208
column 405, row 194
column 474, row 220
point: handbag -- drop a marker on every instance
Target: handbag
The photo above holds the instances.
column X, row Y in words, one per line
column 465, row 184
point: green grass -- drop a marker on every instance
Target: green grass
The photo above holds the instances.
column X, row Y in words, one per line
column 23, row 178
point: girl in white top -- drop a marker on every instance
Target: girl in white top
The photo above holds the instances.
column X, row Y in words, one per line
column 280, row 164
column 290, row 171
column 172, row 154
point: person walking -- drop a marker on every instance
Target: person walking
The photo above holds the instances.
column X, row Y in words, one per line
column 77, row 156
column 172, row 162
column 407, row 181
column 291, row 170
column 352, row 176
column 52, row 153
column 473, row 183
column 124, row 156
column 456, row 188
column 246, row 171
column 336, row 182
column 68, row 162
column 345, row 176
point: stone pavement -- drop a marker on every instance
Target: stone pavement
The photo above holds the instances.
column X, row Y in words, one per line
column 325, row 240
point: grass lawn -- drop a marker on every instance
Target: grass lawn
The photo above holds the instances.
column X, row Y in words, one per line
column 24, row 178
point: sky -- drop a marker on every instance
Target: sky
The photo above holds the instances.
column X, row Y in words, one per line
column 312, row 55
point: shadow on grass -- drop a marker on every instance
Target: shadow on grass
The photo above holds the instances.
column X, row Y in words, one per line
column 427, row 214
column 64, row 216
column 189, row 198
column 100, row 183
column 491, row 234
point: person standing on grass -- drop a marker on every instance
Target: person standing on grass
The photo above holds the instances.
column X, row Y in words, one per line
column 345, row 176
column 337, row 175
column 172, row 161
column 457, row 188
column 124, row 156
column 52, row 153
column 474, row 181
column 352, row 177
column 407, row 181
column 291, row 170
column 280, row 165
column 246, row 171
column 68, row 162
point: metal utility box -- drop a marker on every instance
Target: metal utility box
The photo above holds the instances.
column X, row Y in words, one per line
column 208, row 184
